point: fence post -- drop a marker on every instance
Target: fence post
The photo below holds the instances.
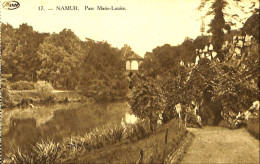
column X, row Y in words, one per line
column 140, row 160
column 166, row 135
column 165, row 141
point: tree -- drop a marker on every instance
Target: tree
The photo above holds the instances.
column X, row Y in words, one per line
column 19, row 56
column 174, row 91
column 199, row 88
column 56, row 65
column 186, row 51
column 146, row 101
column 7, row 32
column 160, row 60
column 218, row 24
column 228, row 86
column 237, row 84
column 251, row 26
column 126, row 51
column 103, row 73
column 61, row 59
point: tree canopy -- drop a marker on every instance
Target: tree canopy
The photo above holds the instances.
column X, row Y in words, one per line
column 95, row 68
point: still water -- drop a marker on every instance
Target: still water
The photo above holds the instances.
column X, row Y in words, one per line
column 55, row 122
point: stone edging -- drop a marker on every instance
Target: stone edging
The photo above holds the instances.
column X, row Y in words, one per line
column 176, row 155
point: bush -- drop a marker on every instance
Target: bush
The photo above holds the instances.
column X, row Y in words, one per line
column 44, row 152
column 7, row 99
column 18, row 157
column 153, row 148
column 137, row 131
column 97, row 138
column 47, row 152
column 45, row 90
column 22, row 85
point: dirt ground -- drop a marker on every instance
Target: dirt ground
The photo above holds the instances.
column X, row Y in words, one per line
column 221, row 145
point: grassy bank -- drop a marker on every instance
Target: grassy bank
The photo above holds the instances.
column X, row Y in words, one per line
column 106, row 145
column 26, row 97
column 154, row 148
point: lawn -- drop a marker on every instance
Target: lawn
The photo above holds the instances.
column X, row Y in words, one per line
column 154, row 148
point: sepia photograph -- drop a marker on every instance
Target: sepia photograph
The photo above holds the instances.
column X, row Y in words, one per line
column 129, row 81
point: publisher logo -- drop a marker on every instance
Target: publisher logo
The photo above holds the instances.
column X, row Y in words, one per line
column 11, row 5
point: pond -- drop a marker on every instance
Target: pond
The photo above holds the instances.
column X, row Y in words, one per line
column 24, row 127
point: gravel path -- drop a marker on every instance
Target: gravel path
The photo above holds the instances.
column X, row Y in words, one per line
column 221, row 145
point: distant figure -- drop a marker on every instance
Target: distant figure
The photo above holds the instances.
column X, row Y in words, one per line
column 178, row 110
column 123, row 123
column 140, row 160
column 160, row 119
column 199, row 119
column 247, row 115
column 255, row 106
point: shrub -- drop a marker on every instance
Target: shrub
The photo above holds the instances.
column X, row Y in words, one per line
column 97, row 138
column 44, row 152
column 47, row 152
column 7, row 99
column 137, row 131
column 153, row 148
column 18, row 157
column 45, row 90
column 22, row 85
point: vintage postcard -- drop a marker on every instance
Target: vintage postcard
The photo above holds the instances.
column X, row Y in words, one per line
column 129, row 81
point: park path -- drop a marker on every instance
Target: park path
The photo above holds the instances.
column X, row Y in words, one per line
column 221, row 145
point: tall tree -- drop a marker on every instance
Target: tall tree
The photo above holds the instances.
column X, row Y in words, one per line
column 7, row 33
column 147, row 100
column 20, row 55
column 61, row 58
column 222, row 20
column 126, row 51
column 103, row 72
column 217, row 25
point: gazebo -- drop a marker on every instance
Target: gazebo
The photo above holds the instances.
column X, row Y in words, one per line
column 132, row 62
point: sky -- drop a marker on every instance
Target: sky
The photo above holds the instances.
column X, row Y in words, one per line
column 144, row 25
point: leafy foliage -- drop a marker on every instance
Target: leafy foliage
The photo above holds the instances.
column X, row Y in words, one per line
column 45, row 90
column 229, row 85
column 217, row 25
column 222, row 20
column 19, row 54
column 66, row 62
column 237, row 84
column 146, row 98
column 43, row 152
column 174, row 91
column 103, row 73
column 251, row 26
column 7, row 99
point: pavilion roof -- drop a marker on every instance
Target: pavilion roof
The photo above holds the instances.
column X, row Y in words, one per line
column 134, row 56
